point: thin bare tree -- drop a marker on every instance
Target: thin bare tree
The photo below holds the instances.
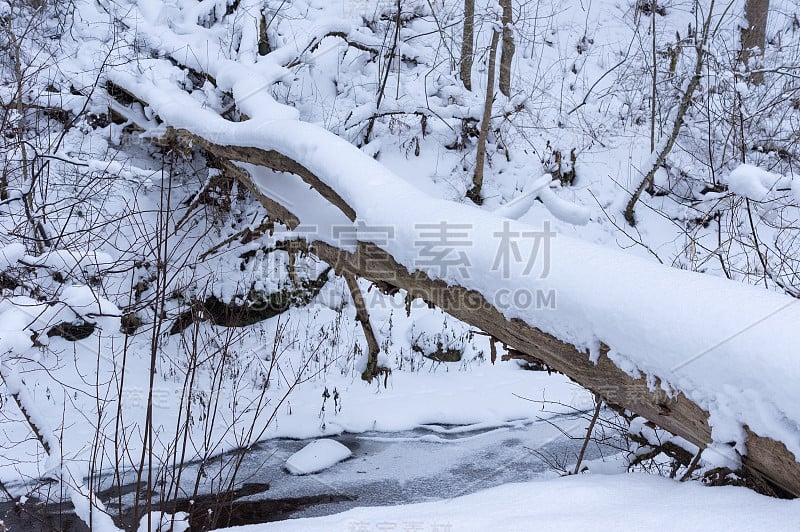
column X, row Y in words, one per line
column 468, row 44
column 477, row 178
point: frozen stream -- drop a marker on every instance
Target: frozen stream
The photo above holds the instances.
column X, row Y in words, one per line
column 431, row 462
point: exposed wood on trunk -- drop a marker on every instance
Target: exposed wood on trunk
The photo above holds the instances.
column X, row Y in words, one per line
column 269, row 159
column 276, row 211
column 263, row 41
column 19, row 391
column 37, row 431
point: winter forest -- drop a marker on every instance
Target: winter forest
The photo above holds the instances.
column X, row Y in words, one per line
column 430, row 265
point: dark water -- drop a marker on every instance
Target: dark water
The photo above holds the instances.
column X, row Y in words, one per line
column 429, row 463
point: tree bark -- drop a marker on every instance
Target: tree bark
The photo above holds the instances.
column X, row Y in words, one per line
column 683, row 107
column 754, row 35
column 766, row 458
column 468, row 44
column 507, row 51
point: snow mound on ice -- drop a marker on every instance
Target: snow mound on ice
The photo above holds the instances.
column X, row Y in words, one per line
column 317, row 456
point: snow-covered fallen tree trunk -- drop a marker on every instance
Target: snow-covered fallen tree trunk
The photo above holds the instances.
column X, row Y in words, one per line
column 765, row 457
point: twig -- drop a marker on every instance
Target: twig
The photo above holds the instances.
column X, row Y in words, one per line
column 692, row 466
column 588, row 435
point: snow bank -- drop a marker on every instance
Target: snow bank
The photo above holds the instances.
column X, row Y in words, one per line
column 587, row 502
column 92, row 511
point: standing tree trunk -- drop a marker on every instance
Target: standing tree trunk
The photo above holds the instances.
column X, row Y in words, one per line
column 654, row 86
column 263, row 41
column 477, row 178
column 468, row 44
column 508, row 48
column 754, row 35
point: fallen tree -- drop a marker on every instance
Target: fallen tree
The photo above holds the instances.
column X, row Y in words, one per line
column 766, row 458
column 693, row 354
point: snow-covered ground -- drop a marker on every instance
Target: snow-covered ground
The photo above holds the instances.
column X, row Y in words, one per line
column 634, row 502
